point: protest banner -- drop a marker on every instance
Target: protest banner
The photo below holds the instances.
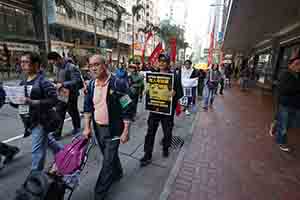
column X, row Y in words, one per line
column 159, row 92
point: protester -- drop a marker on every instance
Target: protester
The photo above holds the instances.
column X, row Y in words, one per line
column 67, row 78
column 222, row 78
column 189, row 81
column 244, row 76
column 136, row 84
column 166, row 121
column 37, row 111
column 213, row 79
column 202, row 76
column 288, row 114
column 108, row 106
column 228, row 74
column 7, row 151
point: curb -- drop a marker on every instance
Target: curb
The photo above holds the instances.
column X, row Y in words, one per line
column 175, row 170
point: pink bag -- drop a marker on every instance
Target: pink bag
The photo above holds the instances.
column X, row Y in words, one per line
column 69, row 159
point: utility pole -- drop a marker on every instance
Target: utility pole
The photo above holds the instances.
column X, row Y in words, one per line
column 46, row 26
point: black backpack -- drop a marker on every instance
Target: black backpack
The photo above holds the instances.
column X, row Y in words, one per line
column 40, row 186
column 71, row 68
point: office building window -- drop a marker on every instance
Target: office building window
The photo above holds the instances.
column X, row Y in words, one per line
column 90, row 20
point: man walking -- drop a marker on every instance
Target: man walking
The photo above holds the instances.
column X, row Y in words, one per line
column 288, row 114
column 68, row 78
column 166, row 121
column 108, row 105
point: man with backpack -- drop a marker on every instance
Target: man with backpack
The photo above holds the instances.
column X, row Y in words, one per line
column 107, row 104
column 68, row 79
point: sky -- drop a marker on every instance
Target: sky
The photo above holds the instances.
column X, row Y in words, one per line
column 198, row 16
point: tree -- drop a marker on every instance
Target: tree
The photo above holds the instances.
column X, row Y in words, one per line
column 116, row 23
column 168, row 31
column 135, row 11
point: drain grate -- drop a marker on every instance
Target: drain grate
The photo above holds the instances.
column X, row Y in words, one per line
column 177, row 142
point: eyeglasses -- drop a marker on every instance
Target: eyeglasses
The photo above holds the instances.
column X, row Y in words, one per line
column 162, row 61
column 25, row 62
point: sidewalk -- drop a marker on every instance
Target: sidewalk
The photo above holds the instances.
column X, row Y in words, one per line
column 232, row 157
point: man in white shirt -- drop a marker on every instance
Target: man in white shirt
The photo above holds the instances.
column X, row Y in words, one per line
column 189, row 82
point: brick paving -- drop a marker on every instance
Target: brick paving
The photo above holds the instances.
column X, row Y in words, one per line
column 232, row 157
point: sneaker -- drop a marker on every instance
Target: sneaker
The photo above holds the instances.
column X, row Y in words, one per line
column 165, row 153
column 187, row 112
column 146, row 160
column 11, row 156
column 205, row 108
column 76, row 131
column 284, row 147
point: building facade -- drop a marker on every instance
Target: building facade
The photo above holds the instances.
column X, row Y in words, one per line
column 75, row 35
column 20, row 23
column 266, row 40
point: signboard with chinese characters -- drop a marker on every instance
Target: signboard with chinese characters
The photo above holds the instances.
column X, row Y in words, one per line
column 159, row 93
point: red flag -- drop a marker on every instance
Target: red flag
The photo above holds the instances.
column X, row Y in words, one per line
column 154, row 55
column 173, row 49
column 150, row 34
column 211, row 46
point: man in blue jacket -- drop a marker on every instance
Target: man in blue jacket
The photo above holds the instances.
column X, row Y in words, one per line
column 7, row 151
column 67, row 77
column 107, row 104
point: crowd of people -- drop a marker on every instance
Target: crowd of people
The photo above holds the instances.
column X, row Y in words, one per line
column 110, row 106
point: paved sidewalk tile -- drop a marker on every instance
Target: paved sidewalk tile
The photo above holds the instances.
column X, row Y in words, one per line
column 232, row 157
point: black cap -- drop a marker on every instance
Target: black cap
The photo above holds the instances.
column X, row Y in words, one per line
column 188, row 61
column 164, row 57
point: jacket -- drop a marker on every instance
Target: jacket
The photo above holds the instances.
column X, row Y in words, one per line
column 116, row 90
column 69, row 76
column 289, row 89
column 189, row 77
column 2, row 95
column 44, row 91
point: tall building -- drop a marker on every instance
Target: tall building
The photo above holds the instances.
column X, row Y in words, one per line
column 75, row 35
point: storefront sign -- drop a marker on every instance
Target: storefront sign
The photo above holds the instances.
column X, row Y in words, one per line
column 13, row 46
column 159, row 93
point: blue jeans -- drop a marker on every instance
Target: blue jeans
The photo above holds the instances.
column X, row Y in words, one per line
column 40, row 141
column 209, row 95
column 286, row 118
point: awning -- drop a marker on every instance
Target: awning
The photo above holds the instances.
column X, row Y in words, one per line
column 253, row 23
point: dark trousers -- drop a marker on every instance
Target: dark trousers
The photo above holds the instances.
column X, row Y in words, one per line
column 111, row 164
column 72, row 108
column 6, row 150
column 222, row 86
column 167, row 123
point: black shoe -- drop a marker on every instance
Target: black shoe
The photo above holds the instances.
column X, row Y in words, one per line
column 56, row 136
column 11, row 155
column 165, row 153
column 2, row 165
column 146, row 160
column 118, row 178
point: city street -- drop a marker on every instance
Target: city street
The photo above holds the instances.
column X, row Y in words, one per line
column 138, row 183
